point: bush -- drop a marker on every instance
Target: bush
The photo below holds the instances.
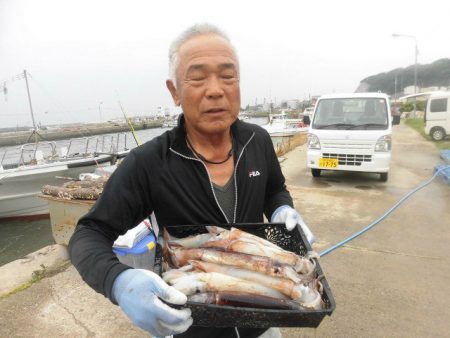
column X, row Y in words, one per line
column 409, row 106
column 421, row 105
column 406, row 107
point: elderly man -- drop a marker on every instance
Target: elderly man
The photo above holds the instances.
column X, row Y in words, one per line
column 210, row 169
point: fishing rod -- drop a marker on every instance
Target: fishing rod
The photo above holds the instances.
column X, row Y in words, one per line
column 129, row 124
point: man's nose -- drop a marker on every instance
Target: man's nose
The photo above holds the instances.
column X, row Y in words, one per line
column 214, row 88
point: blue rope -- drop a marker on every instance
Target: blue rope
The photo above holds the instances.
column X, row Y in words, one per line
column 396, row 205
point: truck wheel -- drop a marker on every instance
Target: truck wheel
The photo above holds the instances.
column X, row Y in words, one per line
column 437, row 134
column 384, row 177
column 315, row 172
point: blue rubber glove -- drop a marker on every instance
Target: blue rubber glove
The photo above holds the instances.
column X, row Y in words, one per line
column 137, row 292
column 289, row 216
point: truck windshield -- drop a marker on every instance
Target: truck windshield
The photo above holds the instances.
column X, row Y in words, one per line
column 351, row 113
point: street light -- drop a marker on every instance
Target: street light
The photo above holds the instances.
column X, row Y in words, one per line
column 416, row 52
column 100, row 111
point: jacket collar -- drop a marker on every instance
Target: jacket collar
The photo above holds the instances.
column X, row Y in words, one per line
column 177, row 136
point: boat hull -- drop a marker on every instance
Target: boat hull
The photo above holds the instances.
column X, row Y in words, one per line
column 19, row 189
column 22, row 206
column 279, row 126
column 287, row 133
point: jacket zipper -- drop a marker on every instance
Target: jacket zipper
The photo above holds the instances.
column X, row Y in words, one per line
column 235, row 183
column 210, row 181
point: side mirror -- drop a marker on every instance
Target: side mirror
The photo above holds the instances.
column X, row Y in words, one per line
column 395, row 120
column 306, row 120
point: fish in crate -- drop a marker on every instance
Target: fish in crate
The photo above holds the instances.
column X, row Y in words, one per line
column 236, row 268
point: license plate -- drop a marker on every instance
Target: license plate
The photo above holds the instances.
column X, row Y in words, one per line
column 328, row 162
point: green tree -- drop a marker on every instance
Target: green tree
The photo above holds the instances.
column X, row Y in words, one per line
column 394, row 81
column 406, row 107
column 409, row 106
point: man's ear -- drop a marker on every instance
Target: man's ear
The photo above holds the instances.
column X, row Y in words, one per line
column 173, row 92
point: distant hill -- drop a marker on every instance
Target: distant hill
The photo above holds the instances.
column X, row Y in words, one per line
column 433, row 74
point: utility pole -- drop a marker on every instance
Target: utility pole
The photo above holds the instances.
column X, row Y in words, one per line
column 5, row 91
column 416, row 53
column 100, row 110
column 415, row 76
column 31, row 107
column 395, row 88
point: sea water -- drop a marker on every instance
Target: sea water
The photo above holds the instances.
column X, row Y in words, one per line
column 19, row 238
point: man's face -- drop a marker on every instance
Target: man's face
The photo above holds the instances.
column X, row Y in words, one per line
column 207, row 84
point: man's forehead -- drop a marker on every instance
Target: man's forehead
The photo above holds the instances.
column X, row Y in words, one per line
column 205, row 46
column 203, row 66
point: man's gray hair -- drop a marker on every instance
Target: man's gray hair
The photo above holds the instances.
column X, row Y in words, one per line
column 191, row 32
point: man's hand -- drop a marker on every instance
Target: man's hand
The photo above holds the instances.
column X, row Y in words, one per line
column 289, row 216
column 137, row 292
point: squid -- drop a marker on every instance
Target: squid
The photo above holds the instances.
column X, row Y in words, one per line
column 244, row 299
column 215, row 282
column 181, row 256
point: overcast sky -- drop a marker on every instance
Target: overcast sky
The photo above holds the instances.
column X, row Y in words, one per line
column 84, row 55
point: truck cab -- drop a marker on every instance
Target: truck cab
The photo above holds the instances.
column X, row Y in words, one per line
column 437, row 116
column 351, row 132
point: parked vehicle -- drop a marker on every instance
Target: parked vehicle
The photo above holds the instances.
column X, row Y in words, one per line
column 308, row 112
column 437, row 116
column 351, row 132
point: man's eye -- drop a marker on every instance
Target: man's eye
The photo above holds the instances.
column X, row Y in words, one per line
column 229, row 78
column 197, row 78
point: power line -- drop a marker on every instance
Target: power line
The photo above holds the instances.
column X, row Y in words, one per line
column 14, row 78
column 57, row 103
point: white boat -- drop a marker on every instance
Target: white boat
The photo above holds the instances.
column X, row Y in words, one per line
column 170, row 123
column 25, row 170
column 280, row 125
column 21, row 181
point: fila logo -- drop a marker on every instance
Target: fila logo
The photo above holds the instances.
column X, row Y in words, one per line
column 254, row 173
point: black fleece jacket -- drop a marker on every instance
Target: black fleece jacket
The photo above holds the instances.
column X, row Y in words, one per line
column 163, row 176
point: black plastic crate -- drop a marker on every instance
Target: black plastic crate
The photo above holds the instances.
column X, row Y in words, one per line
column 230, row 316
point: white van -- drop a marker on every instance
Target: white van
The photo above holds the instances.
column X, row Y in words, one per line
column 437, row 116
column 351, row 132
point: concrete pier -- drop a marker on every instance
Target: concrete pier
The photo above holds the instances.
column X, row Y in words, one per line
column 21, row 137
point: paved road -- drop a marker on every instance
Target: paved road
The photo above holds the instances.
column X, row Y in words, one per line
column 391, row 282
